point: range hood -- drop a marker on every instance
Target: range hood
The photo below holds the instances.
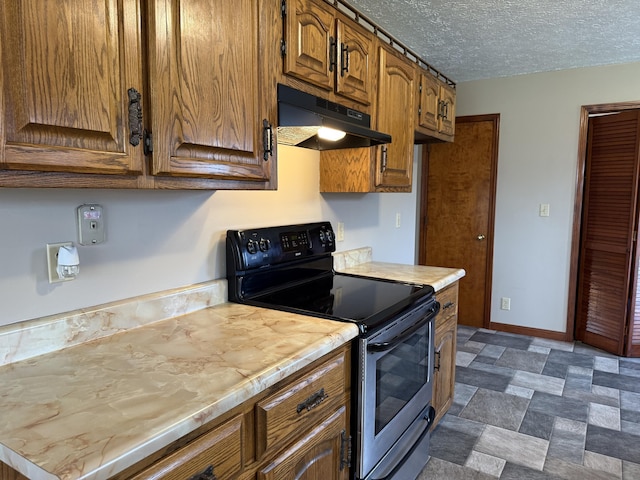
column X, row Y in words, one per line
column 301, row 116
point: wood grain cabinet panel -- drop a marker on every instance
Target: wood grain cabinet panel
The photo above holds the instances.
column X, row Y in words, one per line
column 436, row 109
column 445, row 348
column 66, row 71
column 69, row 116
column 317, row 456
column 218, row 451
column 299, row 405
column 396, row 97
column 210, row 105
column 327, row 50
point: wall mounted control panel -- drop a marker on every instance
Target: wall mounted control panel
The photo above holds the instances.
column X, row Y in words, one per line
column 90, row 224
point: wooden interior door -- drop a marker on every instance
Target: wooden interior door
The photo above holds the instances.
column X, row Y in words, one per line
column 606, row 279
column 457, row 217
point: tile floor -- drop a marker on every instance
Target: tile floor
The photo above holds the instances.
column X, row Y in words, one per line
column 529, row 408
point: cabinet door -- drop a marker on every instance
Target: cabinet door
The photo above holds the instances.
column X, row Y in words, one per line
column 444, row 378
column 429, row 98
column 209, row 100
column 316, row 456
column 310, row 47
column 355, row 60
column 66, row 70
column 448, row 116
column 396, row 101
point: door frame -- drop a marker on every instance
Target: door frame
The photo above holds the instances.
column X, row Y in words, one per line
column 424, row 176
column 574, row 264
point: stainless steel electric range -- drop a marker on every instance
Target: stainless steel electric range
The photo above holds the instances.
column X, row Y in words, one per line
column 290, row 268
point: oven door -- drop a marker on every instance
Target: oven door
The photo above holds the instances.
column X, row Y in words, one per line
column 394, row 387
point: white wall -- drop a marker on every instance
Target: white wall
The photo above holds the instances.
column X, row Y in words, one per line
column 158, row 240
column 539, row 125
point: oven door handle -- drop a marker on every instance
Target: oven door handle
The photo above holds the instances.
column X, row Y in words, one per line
column 383, row 346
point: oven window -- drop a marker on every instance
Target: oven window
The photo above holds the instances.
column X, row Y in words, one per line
column 400, row 373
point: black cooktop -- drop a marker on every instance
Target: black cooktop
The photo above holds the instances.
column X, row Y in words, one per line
column 290, row 268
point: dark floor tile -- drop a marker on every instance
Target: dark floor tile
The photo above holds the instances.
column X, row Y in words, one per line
column 630, row 416
column 451, row 445
column 512, row 471
column 571, row 408
column 577, row 382
column 630, row 401
column 613, row 380
column 483, row 359
column 496, row 408
column 537, row 424
column 479, row 378
column 630, row 363
column 521, row 343
column 571, row 358
column 438, row 469
column 553, row 369
column 613, row 443
column 588, row 397
column 522, row 360
column 630, row 372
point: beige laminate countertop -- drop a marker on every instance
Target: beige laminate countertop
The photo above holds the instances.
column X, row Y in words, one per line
column 437, row 277
column 90, row 411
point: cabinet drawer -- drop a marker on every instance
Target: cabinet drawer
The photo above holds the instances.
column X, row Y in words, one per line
column 300, row 404
column 221, row 449
column 448, row 299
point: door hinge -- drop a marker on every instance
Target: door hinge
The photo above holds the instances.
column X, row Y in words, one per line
column 148, row 142
column 283, row 8
column 345, row 448
column 283, row 47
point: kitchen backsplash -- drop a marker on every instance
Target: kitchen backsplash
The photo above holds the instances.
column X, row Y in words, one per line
column 31, row 338
column 43, row 335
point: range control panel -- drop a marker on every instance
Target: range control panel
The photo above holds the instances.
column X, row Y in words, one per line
column 255, row 248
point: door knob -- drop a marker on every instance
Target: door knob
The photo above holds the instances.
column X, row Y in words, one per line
column 481, row 237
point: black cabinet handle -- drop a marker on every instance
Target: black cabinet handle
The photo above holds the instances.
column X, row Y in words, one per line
column 448, row 305
column 206, row 474
column 313, row 401
column 333, row 45
column 437, row 365
column 344, row 59
column 267, row 139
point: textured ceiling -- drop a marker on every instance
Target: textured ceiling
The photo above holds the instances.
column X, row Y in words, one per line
column 475, row 39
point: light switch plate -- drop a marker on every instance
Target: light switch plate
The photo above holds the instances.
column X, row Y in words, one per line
column 90, row 224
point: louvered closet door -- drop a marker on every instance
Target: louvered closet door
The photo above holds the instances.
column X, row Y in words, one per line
column 608, row 226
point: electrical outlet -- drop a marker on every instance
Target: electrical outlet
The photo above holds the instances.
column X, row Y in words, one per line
column 505, row 303
column 398, row 220
column 52, row 261
column 340, row 232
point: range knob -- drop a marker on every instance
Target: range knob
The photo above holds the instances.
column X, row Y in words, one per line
column 265, row 244
column 321, row 236
column 329, row 236
column 252, row 246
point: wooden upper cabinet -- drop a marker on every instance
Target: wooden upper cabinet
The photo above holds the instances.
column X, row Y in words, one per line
column 328, row 51
column 66, row 70
column 396, row 97
column 354, row 58
column 212, row 111
column 385, row 168
column 436, row 108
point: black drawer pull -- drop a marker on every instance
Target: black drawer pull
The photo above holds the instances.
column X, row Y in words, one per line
column 313, row 401
column 448, row 305
column 206, row 474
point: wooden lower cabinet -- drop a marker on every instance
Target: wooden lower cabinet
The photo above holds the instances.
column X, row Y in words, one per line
column 445, row 348
column 316, row 456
